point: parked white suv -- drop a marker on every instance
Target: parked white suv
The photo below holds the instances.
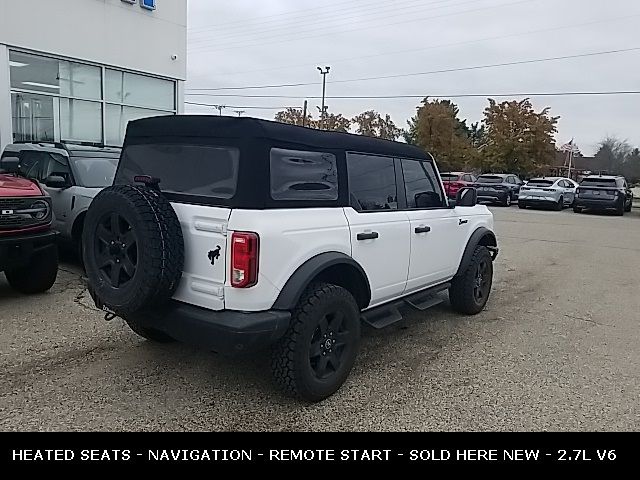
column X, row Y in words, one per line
column 72, row 175
column 238, row 233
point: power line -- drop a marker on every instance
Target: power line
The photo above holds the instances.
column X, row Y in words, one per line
column 455, row 95
column 403, row 7
column 239, row 106
column 325, row 32
column 431, row 72
column 431, row 47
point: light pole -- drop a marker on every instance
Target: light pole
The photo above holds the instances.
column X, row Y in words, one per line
column 324, row 72
column 239, row 112
column 220, row 108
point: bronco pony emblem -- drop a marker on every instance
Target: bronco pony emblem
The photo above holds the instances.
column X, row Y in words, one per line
column 214, row 255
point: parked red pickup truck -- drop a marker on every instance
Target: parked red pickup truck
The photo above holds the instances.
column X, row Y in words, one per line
column 28, row 252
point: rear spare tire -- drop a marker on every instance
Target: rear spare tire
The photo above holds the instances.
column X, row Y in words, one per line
column 133, row 249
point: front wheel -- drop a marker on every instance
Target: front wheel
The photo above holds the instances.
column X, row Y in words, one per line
column 469, row 291
column 314, row 357
column 560, row 205
column 38, row 275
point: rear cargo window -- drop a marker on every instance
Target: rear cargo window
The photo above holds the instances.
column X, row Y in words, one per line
column 540, row 183
column 203, row 170
column 489, row 179
column 599, row 182
column 448, row 177
column 298, row 175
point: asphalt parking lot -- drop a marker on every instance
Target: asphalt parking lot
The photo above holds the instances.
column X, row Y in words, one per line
column 557, row 348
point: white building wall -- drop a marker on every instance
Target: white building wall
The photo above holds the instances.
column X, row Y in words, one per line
column 108, row 32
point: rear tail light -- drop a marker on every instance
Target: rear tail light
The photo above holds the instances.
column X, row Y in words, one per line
column 244, row 259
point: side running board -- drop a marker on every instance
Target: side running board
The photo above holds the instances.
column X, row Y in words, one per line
column 386, row 315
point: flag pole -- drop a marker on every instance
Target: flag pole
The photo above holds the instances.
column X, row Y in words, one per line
column 570, row 157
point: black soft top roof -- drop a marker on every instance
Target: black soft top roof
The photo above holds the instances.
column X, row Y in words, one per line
column 248, row 128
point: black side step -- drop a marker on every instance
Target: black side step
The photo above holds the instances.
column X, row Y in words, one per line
column 382, row 317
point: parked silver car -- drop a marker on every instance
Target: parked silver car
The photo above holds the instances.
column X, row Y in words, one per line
column 556, row 192
column 72, row 175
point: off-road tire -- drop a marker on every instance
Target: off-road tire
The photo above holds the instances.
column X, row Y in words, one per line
column 159, row 248
column 38, row 275
column 461, row 292
column 290, row 358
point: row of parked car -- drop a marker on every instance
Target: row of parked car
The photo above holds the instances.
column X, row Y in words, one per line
column 594, row 192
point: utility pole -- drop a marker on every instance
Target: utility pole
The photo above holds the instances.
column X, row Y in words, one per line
column 324, row 72
column 570, row 157
column 304, row 114
column 239, row 112
column 220, row 108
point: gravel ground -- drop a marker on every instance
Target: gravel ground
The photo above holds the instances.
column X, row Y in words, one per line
column 558, row 348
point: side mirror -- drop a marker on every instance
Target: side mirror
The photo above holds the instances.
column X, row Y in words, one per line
column 10, row 164
column 55, row 181
column 466, row 197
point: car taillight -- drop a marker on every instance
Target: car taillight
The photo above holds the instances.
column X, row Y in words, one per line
column 244, row 259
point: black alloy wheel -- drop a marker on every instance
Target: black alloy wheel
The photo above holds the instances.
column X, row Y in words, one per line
column 116, row 250
column 482, row 281
column 328, row 344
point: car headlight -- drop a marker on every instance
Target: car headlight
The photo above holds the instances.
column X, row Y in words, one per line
column 40, row 210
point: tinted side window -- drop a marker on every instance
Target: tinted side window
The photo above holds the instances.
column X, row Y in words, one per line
column 372, row 182
column 422, row 188
column 297, row 175
column 203, row 170
column 31, row 164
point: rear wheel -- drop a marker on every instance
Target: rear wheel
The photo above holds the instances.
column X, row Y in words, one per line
column 470, row 290
column 627, row 208
column 507, row 200
column 522, row 205
column 38, row 275
column 560, row 205
column 620, row 210
column 314, row 357
column 577, row 209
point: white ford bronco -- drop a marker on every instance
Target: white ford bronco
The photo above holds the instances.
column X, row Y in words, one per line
column 237, row 234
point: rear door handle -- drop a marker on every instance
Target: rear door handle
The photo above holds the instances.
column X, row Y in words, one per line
column 422, row 229
column 367, row 236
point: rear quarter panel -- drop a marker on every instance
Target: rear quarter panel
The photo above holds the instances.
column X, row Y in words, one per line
column 288, row 238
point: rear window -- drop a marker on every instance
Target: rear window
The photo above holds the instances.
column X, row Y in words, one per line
column 599, row 182
column 202, row 170
column 489, row 179
column 449, row 177
column 540, row 183
column 302, row 175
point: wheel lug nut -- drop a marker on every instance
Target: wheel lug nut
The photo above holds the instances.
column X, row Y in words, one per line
column 334, row 341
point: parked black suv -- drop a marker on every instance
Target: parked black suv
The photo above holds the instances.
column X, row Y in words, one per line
column 604, row 192
column 502, row 188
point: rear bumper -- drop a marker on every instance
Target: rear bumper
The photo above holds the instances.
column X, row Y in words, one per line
column 598, row 204
column 226, row 331
column 538, row 200
column 17, row 250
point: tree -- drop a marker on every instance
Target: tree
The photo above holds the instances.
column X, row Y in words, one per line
column 293, row 116
column 518, row 140
column 613, row 153
column 631, row 168
column 372, row 124
column 437, row 129
column 333, row 122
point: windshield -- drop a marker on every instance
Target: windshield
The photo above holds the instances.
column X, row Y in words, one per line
column 95, row 172
column 540, row 183
column 599, row 182
column 489, row 179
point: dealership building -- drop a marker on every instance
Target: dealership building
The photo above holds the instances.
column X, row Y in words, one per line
column 79, row 70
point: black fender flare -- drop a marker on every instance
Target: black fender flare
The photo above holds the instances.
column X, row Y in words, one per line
column 304, row 275
column 482, row 236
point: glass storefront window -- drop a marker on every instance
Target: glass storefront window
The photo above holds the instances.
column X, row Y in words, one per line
column 32, row 117
column 139, row 90
column 117, row 118
column 80, row 120
column 55, row 99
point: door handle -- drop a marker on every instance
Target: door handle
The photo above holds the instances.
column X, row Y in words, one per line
column 367, row 236
column 422, row 229
column 462, row 222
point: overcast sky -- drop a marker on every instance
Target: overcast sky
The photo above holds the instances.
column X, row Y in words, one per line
column 253, row 43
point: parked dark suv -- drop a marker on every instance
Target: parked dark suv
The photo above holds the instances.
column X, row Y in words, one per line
column 502, row 188
column 604, row 192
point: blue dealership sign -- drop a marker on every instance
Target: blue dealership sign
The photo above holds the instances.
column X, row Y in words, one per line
column 148, row 4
